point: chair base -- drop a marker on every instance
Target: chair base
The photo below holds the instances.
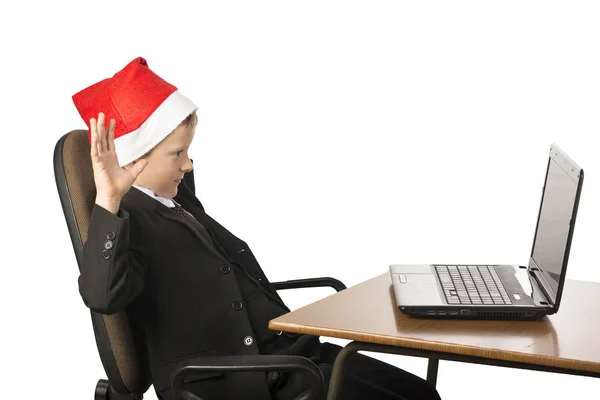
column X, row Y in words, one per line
column 105, row 392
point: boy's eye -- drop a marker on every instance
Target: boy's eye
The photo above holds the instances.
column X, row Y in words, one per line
column 177, row 153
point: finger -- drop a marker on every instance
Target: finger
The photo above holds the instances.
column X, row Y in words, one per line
column 102, row 132
column 98, row 136
column 93, row 138
column 110, row 143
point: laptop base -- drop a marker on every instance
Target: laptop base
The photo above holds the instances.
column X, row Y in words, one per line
column 473, row 313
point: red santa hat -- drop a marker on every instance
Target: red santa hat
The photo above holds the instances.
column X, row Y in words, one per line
column 145, row 107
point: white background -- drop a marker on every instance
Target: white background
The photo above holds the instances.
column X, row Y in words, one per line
column 336, row 138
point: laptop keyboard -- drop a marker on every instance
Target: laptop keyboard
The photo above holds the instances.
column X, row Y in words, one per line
column 473, row 284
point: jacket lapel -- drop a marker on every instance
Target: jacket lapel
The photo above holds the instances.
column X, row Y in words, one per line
column 136, row 198
column 170, row 215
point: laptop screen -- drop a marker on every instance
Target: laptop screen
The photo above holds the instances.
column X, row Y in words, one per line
column 558, row 204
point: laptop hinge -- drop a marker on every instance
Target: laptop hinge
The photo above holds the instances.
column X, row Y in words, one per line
column 540, row 281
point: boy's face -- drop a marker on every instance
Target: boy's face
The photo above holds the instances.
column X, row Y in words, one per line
column 167, row 162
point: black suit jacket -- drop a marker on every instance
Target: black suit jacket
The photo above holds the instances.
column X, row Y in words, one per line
column 179, row 288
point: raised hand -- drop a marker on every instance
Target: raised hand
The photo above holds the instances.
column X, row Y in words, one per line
column 112, row 181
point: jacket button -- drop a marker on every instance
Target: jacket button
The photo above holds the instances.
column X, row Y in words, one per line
column 105, row 254
column 237, row 305
column 108, row 245
column 248, row 340
column 225, row 269
column 110, row 235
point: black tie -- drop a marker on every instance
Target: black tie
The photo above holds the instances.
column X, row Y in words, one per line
column 187, row 215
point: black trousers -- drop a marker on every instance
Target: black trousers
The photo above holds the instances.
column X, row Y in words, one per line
column 365, row 378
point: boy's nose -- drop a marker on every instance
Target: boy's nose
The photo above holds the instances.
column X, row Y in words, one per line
column 188, row 166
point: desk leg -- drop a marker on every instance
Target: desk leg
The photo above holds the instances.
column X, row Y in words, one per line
column 337, row 374
column 432, row 371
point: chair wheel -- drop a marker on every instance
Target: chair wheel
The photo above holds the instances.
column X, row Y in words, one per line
column 102, row 389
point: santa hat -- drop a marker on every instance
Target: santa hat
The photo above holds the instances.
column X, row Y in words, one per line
column 145, row 107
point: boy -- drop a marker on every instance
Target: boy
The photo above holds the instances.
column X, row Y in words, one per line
column 190, row 285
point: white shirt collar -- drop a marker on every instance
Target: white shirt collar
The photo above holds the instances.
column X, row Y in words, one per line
column 167, row 202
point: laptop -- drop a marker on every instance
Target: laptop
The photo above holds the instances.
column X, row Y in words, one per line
column 497, row 291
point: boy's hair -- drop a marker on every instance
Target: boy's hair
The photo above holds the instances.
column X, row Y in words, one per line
column 190, row 119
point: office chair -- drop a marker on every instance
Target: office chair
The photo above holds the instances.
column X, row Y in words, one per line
column 121, row 348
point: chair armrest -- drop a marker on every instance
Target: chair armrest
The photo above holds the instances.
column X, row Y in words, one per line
column 254, row 363
column 311, row 282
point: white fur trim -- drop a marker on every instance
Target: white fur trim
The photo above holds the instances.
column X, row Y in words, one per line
column 130, row 146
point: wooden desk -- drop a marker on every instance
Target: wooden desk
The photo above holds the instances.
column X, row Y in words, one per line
column 567, row 342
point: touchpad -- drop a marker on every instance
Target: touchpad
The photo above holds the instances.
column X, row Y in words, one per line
column 420, row 278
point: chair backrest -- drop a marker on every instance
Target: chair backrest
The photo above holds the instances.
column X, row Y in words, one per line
column 121, row 349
